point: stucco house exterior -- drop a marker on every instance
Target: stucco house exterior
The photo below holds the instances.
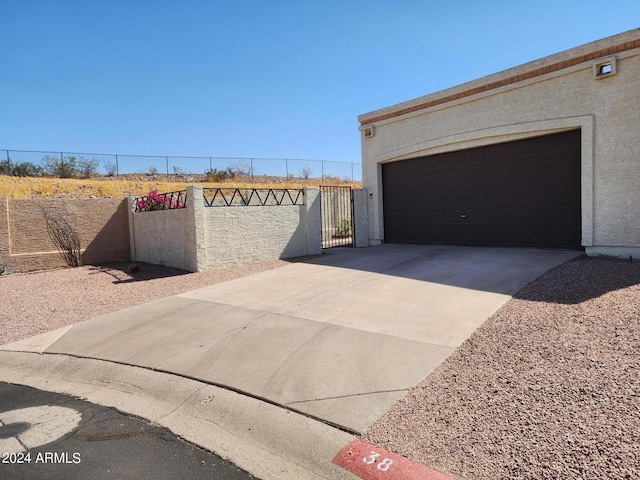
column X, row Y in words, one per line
column 546, row 154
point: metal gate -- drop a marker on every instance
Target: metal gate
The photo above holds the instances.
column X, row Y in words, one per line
column 336, row 207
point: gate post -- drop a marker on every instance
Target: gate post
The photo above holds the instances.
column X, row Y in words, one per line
column 197, row 249
column 133, row 255
column 313, row 220
column 361, row 218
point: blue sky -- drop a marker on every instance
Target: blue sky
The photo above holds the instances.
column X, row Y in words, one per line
column 257, row 78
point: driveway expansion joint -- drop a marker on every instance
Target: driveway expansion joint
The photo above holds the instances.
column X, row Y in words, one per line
column 348, row 396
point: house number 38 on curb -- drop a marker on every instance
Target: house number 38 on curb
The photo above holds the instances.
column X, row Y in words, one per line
column 383, row 466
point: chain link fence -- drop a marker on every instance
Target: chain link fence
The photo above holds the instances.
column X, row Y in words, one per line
column 76, row 164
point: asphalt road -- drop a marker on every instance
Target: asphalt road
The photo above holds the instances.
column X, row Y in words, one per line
column 47, row 436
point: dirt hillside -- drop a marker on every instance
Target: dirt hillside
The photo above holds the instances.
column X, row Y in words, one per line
column 136, row 185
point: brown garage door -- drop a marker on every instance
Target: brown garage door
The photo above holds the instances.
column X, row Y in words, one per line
column 524, row 193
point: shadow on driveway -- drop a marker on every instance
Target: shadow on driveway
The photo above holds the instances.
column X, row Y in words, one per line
column 486, row 269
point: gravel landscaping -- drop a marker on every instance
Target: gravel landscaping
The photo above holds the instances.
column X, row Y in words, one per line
column 547, row 388
column 37, row 302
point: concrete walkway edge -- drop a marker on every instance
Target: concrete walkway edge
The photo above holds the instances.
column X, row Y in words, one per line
column 267, row 441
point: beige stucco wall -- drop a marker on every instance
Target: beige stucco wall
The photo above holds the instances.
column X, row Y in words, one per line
column 240, row 235
column 196, row 238
column 566, row 96
column 25, row 244
column 166, row 237
column 237, row 235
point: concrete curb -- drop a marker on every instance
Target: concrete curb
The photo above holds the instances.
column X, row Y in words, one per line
column 265, row 440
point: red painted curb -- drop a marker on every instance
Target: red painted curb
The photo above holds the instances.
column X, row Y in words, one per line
column 372, row 463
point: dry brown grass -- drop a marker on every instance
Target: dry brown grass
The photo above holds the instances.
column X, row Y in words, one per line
column 134, row 185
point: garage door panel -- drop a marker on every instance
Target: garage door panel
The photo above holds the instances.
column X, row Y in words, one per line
column 501, row 151
column 435, row 217
column 562, row 215
column 414, row 184
column 432, row 233
column 565, row 141
column 532, row 170
column 453, row 178
column 451, row 235
column 531, row 146
column 477, row 176
column 563, row 167
column 532, row 236
column 430, row 198
column 532, row 214
column 407, row 218
column 414, row 234
column 560, row 193
column 563, row 237
column 453, row 198
column 413, row 198
column 504, row 215
column 524, row 193
column 404, row 169
column 477, row 215
column 433, row 181
column 479, row 235
column 534, row 193
column 503, row 174
column 480, row 196
column 503, row 195
column 503, row 236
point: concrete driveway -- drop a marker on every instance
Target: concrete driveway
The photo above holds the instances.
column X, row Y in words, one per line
column 340, row 338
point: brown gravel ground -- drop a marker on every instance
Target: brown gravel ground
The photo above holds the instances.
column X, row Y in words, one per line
column 547, row 388
column 37, row 302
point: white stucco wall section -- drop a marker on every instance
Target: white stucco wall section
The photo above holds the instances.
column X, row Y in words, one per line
column 166, row 237
column 239, row 235
column 604, row 109
column 196, row 238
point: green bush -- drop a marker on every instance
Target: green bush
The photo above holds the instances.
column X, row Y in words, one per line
column 26, row 169
column 63, row 167
column 345, row 227
column 87, row 168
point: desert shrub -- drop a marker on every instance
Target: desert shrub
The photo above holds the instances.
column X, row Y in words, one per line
column 215, row 175
column 26, row 169
column 64, row 236
column 87, row 168
column 306, row 172
column 152, row 170
column 111, row 168
column 63, row 167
